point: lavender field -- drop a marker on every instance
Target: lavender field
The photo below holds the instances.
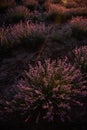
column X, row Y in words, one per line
column 43, row 64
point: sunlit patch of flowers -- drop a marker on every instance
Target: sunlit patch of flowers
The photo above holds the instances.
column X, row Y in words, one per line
column 79, row 11
column 61, row 13
column 81, row 2
column 16, row 14
column 58, row 8
column 69, row 3
column 75, row 3
column 81, row 58
column 49, row 92
column 57, row 13
column 79, row 27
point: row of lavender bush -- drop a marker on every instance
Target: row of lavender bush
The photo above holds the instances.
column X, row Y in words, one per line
column 56, row 13
column 36, row 34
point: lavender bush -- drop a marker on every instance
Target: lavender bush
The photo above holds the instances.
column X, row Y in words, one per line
column 26, row 34
column 79, row 27
column 30, row 35
column 81, row 58
column 49, row 92
column 79, row 22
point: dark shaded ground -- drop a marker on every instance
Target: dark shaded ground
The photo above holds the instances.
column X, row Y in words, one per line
column 49, row 126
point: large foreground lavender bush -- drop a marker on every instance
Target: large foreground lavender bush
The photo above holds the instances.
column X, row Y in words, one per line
column 50, row 91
